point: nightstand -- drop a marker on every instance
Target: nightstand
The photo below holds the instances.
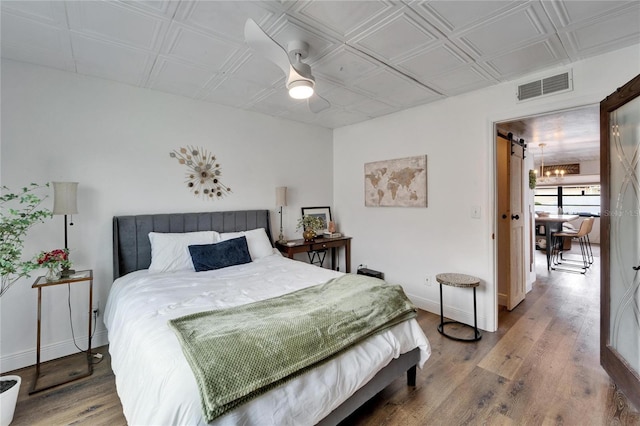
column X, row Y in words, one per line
column 301, row 246
column 58, row 379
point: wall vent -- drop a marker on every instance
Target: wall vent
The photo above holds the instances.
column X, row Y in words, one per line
column 546, row 86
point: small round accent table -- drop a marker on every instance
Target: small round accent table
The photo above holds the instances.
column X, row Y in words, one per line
column 464, row 281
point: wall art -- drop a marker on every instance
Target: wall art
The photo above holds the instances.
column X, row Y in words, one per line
column 323, row 213
column 396, row 183
column 204, row 174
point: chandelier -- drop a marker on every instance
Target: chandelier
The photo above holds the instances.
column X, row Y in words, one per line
column 545, row 174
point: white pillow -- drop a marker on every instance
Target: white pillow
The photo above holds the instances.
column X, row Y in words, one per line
column 257, row 240
column 170, row 252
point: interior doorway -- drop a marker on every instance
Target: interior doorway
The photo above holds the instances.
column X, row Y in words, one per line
column 569, row 137
column 511, row 220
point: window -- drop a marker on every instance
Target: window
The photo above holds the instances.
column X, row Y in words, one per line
column 581, row 199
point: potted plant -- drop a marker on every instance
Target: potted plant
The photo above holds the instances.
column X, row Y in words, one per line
column 9, row 388
column 19, row 211
column 310, row 226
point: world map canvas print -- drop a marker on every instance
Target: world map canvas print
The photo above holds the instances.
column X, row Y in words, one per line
column 396, row 183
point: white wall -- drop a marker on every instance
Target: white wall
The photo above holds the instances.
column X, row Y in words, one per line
column 115, row 141
column 411, row 244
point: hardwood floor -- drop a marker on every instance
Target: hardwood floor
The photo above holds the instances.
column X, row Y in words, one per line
column 541, row 368
column 88, row 401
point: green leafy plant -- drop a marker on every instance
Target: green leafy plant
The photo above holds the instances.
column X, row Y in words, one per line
column 313, row 223
column 19, row 211
column 532, row 179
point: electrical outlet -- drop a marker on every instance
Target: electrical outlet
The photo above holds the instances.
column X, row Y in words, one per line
column 427, row 281
column 476, row 212
column 96, row 308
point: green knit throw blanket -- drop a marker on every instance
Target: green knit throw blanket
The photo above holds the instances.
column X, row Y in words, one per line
column 239, row 353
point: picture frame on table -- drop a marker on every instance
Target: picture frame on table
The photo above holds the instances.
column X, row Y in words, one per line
column 322, row 212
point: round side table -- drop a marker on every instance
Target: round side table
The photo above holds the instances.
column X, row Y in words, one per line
column 464, row 281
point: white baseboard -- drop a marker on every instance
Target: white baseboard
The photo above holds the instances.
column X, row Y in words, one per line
column 51, row 351
column 449, row 312
column 425, row 304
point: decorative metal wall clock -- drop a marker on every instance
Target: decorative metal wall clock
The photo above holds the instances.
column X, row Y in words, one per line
column 204, row 173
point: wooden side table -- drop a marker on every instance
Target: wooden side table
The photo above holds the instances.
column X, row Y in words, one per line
column 464, row 281
column 41, row 282
column 302, row 246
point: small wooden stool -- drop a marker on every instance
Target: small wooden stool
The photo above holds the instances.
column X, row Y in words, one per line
column 465, row 281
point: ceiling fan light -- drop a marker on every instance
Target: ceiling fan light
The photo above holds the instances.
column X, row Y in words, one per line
column 301, row 89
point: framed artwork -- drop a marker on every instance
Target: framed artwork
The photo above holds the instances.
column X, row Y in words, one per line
column 396, row 183
column 204, row 174
column 322, row 212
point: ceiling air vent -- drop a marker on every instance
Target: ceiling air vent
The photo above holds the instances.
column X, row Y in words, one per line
column 530, row 90
column 546, row 86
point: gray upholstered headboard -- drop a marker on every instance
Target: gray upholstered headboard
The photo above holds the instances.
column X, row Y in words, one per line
column 131, row 246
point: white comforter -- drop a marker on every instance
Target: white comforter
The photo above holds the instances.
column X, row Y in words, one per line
column 154, row 380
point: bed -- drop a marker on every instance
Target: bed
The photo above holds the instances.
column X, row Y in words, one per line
column 153, row 378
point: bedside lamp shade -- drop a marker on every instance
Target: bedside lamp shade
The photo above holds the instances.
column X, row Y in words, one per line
column 65, row 198
column 281, row 196
column 65, row 203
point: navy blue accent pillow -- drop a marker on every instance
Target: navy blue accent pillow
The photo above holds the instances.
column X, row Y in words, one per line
column 206, row 257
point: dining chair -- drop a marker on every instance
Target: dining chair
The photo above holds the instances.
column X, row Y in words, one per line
column 573, row 265
column 586, row 240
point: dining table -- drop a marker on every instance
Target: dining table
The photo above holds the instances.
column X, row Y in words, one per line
column 553, row 223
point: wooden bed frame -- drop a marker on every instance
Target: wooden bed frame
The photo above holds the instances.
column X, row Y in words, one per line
column 132, row 252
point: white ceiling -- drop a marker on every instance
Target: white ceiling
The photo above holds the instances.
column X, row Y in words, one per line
column 571, row 136
column 370, row 58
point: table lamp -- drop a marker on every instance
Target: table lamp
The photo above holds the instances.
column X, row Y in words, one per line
column 281, row 201
column 65, row 203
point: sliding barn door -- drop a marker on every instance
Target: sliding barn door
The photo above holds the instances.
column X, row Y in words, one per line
column 620, row 238
column 517, row 283
column 511, row 219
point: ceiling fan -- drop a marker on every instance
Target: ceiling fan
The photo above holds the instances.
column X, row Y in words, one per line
column 300, row 82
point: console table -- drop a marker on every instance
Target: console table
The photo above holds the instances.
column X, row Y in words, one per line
column 301, row 246
column 87, row 369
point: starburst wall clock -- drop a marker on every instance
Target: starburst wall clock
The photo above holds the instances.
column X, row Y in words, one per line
column 204, row 174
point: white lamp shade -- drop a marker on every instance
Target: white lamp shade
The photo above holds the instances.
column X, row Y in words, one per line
column 281, row 196
column 65, row 197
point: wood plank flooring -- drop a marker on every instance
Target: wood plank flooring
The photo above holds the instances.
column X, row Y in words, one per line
column 541, row 367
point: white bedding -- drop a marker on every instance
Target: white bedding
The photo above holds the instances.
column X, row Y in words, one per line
column 154, row 380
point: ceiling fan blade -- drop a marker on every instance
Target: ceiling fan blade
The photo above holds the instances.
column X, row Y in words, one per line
column 317, row 103
column 298, row 73
column 295, row 75
column 303, row 70
column 265, row 46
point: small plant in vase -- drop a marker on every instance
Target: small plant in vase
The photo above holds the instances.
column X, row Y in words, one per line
column 310, row 225
column 55, row 261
